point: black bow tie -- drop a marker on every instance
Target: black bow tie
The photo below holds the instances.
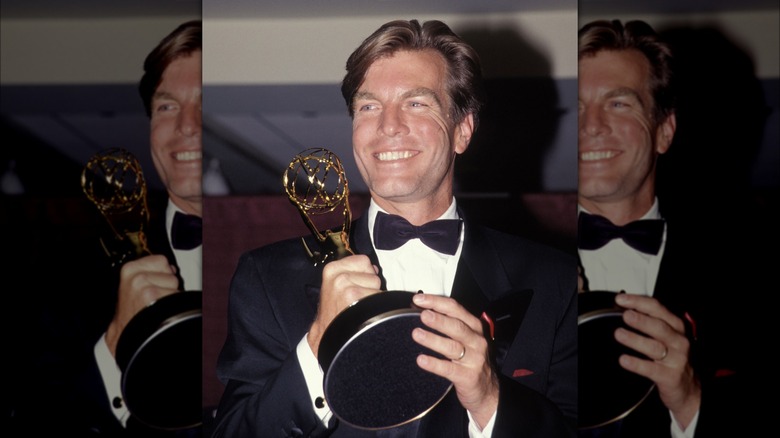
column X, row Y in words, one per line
column 187, row 231
column 643, row 235
column 392, row 231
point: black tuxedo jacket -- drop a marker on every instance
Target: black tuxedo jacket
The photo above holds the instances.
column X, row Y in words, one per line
column 696, row 281
column 273, row 300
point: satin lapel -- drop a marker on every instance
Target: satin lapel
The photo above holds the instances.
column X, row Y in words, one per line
column 157, row 240
column 466, row 291
column 480, row 277
column 668, row 284
column 312, row 283
column 360, row 241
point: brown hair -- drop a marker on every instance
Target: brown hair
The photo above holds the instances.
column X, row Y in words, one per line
column 183, row 41
column 464, row 72
column 635, row 35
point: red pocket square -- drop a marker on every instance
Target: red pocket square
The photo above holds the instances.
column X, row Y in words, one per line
column 522, row 373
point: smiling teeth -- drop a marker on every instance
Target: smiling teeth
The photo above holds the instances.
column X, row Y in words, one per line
column 395, row 155
column 596, row 155
column 188, row 155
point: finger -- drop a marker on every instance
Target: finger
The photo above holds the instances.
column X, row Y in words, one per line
column 353, row 263
column 450, row 307
column 651, row 348
column 445, row 346
column 650, row 306
column 152, row 263
column 451, row 370
column 655, row 328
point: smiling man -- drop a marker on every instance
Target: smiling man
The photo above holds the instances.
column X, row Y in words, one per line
column 626, row 122
column 171, row 92
column 414, row 93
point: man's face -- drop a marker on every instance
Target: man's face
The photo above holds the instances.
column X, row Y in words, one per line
column 618, row 141
column 176, row 132
column 403, row 138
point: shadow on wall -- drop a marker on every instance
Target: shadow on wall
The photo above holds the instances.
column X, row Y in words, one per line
column 721, row 117
column 517, row 129
column 520, row 120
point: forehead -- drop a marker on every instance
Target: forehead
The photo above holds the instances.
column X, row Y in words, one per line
column 184, row 71
column 613, row 69
column 416, row 68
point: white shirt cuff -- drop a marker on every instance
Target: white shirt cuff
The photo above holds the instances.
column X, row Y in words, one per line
column 313, row 375
column 677, row 431
column 486, row 431
column 112, row 379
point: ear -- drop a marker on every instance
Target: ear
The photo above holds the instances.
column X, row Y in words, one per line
column 463, row 133
column 664, row 134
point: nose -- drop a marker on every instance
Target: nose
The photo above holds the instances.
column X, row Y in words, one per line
column 592, row 121
column 392, row 121
column 189, row 122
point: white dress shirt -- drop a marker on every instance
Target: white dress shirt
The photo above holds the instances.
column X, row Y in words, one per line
column 190, row 265
column 618, row 267
column 411, row 267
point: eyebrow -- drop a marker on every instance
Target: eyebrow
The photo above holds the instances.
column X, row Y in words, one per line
column 162, row 95
column 625, row 91
column 416, row 92
column 423, row 92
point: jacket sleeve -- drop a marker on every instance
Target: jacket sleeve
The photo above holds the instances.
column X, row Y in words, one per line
column 265, row 392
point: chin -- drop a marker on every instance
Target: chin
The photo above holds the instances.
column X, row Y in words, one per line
column 594, row 190
column 393, row 191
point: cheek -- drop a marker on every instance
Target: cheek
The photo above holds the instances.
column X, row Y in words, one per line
column 157, row 137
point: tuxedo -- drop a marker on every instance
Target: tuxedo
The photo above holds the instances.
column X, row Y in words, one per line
column 63, row 393
column 696, row 280
column 273, row 301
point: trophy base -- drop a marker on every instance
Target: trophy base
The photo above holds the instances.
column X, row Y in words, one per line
column 159, row 353
column 372, row 380
column 607, row 392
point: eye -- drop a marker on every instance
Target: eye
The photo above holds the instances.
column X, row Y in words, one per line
column 366, row 107
column 164, row 107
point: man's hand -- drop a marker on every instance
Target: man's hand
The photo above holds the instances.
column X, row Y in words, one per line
column 667, row 347
column 141, row 283
column 344, row 281
column 469, row 366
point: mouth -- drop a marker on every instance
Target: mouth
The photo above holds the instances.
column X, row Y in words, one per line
column 395, row 155
column 597, row 155
column 188, row 156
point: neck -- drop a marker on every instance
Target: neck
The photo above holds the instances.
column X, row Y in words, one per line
column 621, row 212
column 189, row 206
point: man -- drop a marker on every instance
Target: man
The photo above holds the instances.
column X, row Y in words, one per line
column 171, row 92
column 87, row 398
column 626, row 121
column 414, row 94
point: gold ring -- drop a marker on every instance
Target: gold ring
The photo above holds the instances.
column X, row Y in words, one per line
column 663, row 356
column 463, row 353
